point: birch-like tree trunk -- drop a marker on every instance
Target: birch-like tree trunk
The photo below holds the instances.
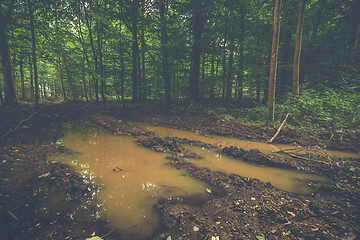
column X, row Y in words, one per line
column 297, row 52
column 273, row 63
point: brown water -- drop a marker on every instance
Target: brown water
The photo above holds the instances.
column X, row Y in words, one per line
column 290, row 181
column 142, row 176
column 227, row 141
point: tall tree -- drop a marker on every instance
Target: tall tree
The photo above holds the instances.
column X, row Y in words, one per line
column 297, row 52
column 5, row 15
column 273, row 63
column 164, row 50
column 194, row 80
column 33, row 48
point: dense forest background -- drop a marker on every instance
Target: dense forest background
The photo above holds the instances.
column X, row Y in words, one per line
column 182, row 50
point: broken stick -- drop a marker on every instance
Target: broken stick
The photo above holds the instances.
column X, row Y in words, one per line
column 279, row 129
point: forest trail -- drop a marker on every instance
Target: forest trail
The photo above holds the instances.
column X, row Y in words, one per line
column 34, row 188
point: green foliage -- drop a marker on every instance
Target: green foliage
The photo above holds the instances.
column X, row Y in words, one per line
column 334, row 109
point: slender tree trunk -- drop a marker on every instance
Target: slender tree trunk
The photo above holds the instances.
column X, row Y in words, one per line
column 224, row 69
column 1, row 98
column 241, row 55
column 212, row 78
column 297, row 52
column 99, row 48
column 229, row 80
column 122, row 77
column 140, row 80
column 85, row 54
column 134, row 48
column 60, row 75
column 96, row 71
column 13, row 71
column 143, row 50
column 9, row 91
column 164, row 50
column 22, row 79
column 33, row 44
column 194, row 80
column 273, row 63
column 31, row 79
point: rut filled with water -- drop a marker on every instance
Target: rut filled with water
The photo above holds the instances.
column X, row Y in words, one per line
column 132, row 178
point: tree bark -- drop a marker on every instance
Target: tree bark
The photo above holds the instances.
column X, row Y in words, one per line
column 241, row 54
column 194, row 79
column 134, row 48
column 31, row 80
column 22, row 79
column 273, row 63
column 33, row 47
column 143, row 65
column 9, row 91
column 164, row 50
column 297, row 52
column 88, row 24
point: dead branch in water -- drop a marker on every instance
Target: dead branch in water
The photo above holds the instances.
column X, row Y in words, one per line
column 18, row 125
column 308, row 150
column 279, row 129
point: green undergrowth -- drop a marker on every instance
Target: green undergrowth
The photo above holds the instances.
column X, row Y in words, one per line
column 330, row 111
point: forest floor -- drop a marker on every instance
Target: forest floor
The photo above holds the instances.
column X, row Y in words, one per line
column 237, row 208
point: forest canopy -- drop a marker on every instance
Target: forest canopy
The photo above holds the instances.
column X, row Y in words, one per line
column 174, row 50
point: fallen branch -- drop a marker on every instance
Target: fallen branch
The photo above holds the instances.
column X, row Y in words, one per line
column 11, row 214
column 279, row 129
column 17, row 126
column 302, row 158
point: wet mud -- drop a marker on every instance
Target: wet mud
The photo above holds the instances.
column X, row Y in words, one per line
column 40, row 199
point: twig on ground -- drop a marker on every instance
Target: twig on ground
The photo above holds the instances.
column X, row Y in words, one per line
column 279, row 129
column 19, row 124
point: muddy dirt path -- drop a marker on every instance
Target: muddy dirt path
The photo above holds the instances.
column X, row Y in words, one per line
column 237, row 207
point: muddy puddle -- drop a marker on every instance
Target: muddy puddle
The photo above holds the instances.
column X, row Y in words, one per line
column 131, row 178
column 286, row 180
column 227, row 141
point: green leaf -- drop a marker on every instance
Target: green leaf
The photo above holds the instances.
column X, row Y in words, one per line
column 168, row 238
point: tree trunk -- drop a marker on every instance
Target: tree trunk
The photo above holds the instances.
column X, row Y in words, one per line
column 13, row 71
column 297, row 52
column 194, row 78
column 22, row 79
column 229, row 80
column 33, row 44
column 122, row 89
column 164, row 50
column 99, row 39
column 241, row 55
column 88, row 24
column 134, row 48
column 143, row 76
column 31, row 80
column 273, row 63
column 212, row 78
column 9, row 91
